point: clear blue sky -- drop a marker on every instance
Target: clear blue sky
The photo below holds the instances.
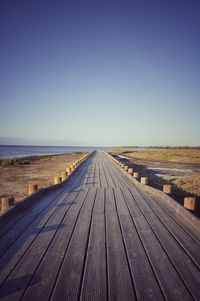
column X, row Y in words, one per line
column 100, row 72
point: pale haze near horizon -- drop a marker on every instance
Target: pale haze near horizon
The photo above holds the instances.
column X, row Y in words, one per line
column 104, row 74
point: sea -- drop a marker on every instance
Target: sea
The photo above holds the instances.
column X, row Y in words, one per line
column 13, row 151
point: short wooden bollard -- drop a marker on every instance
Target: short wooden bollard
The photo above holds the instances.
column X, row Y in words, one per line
column 190, row 203
column 63, row 175
column 68, row 170
column 57, row 180
column 144, row 180
column 6, row 203
column 136, row 175
column 167, row 188
column 74, row 165
column 130, row 171
column 126, row 167
column 32, row 188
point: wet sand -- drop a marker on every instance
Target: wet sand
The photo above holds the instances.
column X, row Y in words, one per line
column 39, row 170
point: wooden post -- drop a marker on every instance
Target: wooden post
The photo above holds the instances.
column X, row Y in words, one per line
column 74, row 165
column 126, row 167
column 57, row 180
column 144, row 180
column 190, row 203
column 130, row 171
column 32, row 188
column 136, row 175
column 6, row 203
column 68, row 170
column 63, row 175
column 167, row 188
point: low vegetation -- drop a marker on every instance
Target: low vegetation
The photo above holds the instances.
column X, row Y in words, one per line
column 8, row 162
column 187, row 156
column 190, row 184
column 14, row 162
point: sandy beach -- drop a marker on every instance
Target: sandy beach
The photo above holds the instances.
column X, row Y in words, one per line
column 40, row 170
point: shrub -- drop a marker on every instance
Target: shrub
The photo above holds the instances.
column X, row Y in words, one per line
column 8, row 162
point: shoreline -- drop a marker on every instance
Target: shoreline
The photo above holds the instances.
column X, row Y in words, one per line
column 37, row 169
column 27, row 156
column 18, row 151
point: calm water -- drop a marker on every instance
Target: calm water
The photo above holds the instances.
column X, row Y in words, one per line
column 10, row 151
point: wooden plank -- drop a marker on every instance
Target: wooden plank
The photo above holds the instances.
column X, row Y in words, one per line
column 9, row 222
column 94, row 285
column 21, row 275
column 120, row 286
column 7, row 240
column 103, row 179
column 115, row 178
column 108, row 176
column 85, row 178
column 68, row 283
column 90, row 178
column 50, row 265
column 97, row 174
column 145, row 282
column 178, row 219
column 118, row 172
column 99, row 207
column 187, row 270
column 113, row 243
column 169, row 280
column 21, row 245
column 191, row 247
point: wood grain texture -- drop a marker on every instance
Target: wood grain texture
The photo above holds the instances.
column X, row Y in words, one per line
column 99, row 237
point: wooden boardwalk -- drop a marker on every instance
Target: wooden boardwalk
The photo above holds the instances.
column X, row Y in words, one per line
column 99, row 238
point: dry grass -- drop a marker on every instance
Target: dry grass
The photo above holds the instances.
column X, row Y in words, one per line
column 187, row 156
column 190, row 184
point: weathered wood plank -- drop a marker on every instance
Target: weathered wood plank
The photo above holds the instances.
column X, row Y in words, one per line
column 68, row 282
column 51, row 263
column 103, row 179
column 94, row 286
column 189, row 273
column 191, row 247
column 18, row 249
column 170, row 282
column 29, row 262
column 111, row 243
column 145, row 282
column 169, row 211
column 120, row 285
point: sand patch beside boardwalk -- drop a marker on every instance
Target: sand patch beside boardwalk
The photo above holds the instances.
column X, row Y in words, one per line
column 39, row 170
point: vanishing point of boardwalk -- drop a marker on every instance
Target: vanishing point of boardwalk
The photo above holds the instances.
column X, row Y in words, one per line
column 99, row 237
